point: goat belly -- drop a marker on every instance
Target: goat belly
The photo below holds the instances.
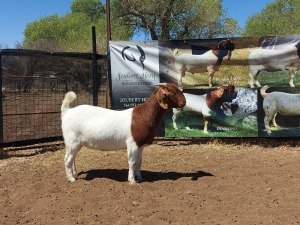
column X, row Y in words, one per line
column 106, row 145
column 273, row 60
column 284, row 103
column 196, row 68
column 205, row 59
column 195, row 103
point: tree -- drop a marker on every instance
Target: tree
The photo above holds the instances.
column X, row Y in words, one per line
column 92, row 8
column 72, row 32
column 173, row 19
column 278, row 18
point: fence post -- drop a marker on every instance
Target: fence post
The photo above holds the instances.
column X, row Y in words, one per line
column 95, row 76
column 1, row 101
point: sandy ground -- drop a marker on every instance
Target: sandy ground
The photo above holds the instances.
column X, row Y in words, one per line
column 185, row 182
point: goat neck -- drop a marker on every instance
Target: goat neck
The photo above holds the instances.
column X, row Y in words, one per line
column 213, row 99
column 298, row 48
column 146, row 119
column 220, row 54
column 223, row 49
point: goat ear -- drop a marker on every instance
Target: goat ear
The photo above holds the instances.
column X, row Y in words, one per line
column 162, row 97
column 220, row 92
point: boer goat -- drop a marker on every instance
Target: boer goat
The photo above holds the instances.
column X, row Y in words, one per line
column 210, row 61
column 205, row 104
column 272, row 60
column 106, row 129
column 242, row 109
column 279, row 102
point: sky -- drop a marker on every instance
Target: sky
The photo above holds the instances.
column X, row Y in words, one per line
column 16, row 14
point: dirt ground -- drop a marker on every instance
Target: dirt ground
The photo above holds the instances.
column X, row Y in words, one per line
column 185, row 182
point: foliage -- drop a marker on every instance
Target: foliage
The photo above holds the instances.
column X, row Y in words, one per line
column 278, row 18
column 72, row 32
column 171, row 19
column 92, row 8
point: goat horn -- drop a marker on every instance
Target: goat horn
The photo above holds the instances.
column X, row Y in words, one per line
column 158, row 84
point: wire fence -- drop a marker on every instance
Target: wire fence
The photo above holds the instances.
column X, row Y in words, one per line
column 33, row 86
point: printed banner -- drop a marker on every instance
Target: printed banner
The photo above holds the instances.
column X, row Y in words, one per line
column 134, row 68
column 234, row 87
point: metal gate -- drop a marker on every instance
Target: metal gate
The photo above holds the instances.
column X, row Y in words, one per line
column 33, row 86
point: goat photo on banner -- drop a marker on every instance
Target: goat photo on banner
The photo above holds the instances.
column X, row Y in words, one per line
column 221, row 79
column 280, row 107
column 204, row 66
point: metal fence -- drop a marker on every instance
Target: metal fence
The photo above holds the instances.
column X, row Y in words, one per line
column 33, row 86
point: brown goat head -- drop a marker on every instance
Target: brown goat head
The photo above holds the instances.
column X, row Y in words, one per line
column 169, row 96
column 227, row 45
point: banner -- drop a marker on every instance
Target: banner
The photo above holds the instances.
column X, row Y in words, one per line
column 257, row 77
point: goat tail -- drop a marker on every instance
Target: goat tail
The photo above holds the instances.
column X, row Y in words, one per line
column 69, row 97
column 263, row 91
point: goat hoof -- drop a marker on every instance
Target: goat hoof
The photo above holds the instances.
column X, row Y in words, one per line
column 132, row 182
column 72, row 179
column 139, row 179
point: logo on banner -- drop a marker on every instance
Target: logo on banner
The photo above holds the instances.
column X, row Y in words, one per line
column 132, row 58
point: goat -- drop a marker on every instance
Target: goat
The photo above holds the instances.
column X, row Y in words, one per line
column 274, row 60
column 205, row 104
column 243, row 108
column 278, row 102
column 210, row 61
column 107, row 129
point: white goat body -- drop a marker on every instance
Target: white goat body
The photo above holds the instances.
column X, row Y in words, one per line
column 274, row 60
column 196, row 64
column 116, row 130
column 279, row 102
column 210, row 61
column 195, row 104
column 106, row 129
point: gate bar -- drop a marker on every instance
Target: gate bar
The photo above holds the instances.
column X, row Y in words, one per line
column 1, row 105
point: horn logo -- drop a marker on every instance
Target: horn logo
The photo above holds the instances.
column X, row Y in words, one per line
column 132, row 58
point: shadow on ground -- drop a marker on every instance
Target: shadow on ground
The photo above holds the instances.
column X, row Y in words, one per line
column 148, row 176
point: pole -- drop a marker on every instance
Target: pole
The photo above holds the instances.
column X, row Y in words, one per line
column 108, row 26
column 1, row 105
column 95, row 76
column 108, row 31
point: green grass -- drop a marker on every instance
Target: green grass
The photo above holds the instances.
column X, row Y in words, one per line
column 216, row 128
column 282, row 132
column 280, row 78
